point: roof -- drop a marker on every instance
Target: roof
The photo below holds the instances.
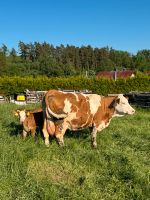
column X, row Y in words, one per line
column 119, row 74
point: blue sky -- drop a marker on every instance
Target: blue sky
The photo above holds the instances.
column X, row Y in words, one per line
column 120, row 24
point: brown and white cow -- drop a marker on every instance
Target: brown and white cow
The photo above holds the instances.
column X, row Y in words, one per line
column 30, row 119
column 77, row 111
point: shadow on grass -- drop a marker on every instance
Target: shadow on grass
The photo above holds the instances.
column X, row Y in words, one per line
column 14, row 129
column 78, row 134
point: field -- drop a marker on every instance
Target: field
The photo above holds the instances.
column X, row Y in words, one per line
column 118, row 169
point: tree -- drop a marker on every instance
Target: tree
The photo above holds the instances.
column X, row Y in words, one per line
column 4, row 49
column 24, row 50
column 2, row 63
column 13, row 54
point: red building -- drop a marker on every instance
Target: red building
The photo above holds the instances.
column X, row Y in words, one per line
column 116, row 74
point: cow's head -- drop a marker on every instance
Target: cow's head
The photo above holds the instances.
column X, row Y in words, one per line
column 22, row 114
column 122, row 106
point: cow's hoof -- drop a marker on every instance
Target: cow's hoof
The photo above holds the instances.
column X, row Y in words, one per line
column 47, row 144
column 61, row 144
column 94, row 145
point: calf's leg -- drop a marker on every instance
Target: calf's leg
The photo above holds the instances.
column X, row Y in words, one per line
column 33, row 132
column 24, row 134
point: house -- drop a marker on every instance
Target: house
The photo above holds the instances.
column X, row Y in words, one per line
column 116, row 74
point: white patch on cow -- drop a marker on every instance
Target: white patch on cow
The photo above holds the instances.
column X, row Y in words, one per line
column 107, row 124
column 101, row 126
column 67, row 107
column 77, row 98
column 94, row 101
column 84, row 95
column 71, row 116
column 123, row 107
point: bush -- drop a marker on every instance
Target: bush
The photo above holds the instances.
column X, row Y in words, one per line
column 16, row 84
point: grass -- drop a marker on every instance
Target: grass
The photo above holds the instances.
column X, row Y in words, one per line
column 118, row 169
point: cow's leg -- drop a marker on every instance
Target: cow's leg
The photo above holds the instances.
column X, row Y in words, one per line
column 93, row 137
column 45, row 133
column 24, row 134
column 60, row 132
column 60, row 139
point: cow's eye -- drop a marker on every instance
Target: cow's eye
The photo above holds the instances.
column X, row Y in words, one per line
column 60, row 128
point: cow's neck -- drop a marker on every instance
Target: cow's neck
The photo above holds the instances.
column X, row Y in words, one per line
column 107, row 105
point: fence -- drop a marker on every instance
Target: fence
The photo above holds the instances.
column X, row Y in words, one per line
column 3, row 99
column 141, row 99
column 34, row 96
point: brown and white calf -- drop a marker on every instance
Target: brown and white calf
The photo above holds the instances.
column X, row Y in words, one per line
column 77, row 111
column 31, row 120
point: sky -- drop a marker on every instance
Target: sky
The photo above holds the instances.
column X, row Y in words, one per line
column 120, row 24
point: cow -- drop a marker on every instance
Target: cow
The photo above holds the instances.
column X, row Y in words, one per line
column 31, row 120
column 76, row 111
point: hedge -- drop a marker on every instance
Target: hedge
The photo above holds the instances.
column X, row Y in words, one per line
column 11, row 85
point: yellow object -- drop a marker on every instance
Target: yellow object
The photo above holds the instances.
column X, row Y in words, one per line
column 20, row 98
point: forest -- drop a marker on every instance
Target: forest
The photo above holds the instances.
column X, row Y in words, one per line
column 37, row 59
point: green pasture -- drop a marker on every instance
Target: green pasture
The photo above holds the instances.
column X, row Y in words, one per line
column 118, row 169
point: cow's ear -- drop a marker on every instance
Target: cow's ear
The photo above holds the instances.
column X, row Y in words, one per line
column 126, row 97
column 112, row 104
column 118, row 100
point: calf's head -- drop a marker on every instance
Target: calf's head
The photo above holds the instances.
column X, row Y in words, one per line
column 22, row 114
column 122, row 106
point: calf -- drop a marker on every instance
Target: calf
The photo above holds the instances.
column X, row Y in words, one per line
column 31, row 120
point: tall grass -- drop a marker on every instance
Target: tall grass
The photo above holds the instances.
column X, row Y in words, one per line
column 118, row 169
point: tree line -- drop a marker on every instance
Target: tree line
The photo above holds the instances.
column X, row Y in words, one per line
column 45, row 59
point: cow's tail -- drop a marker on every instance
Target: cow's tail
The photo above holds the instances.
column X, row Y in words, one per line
column 59, row 115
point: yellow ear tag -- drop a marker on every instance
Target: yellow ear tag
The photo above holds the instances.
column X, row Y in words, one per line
column 16, row 114
column 28, row 113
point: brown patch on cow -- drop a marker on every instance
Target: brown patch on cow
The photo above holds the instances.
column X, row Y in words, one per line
column 55, row 101
column 89, row 121
column 82, row 112
column 105, row 111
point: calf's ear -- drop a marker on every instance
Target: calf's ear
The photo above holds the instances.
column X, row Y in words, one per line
column 16, row 112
